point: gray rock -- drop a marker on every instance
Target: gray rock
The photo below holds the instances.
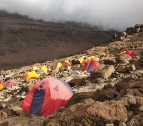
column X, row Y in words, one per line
column 103, row 71
column 130, row 98
column 123, row 58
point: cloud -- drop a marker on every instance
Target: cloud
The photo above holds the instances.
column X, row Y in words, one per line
column 111, row 14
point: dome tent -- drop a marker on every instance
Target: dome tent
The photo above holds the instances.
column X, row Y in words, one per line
column 47, row 96
column 91, row 65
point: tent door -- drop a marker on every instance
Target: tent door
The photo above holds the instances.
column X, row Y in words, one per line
column 37, row 101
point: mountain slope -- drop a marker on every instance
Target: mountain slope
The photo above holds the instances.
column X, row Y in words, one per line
column 25, row 41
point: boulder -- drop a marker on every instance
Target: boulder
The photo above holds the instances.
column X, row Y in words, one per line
column 110, row 61
column 74, row 62
column 121, row 69
column 123, row 58
column 18, row 110
column 101, row 96
column 91, row 113
column 79, row 97
column 77, row 82
column 103, row 71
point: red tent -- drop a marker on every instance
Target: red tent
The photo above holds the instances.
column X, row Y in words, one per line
column 47, row 96
column 130, row 53
column 91, row 65
column 9, row 83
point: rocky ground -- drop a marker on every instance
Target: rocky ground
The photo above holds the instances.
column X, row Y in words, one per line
column 114, row 91
column 111, row 95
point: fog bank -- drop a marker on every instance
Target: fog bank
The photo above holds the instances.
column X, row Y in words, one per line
column 110, row 14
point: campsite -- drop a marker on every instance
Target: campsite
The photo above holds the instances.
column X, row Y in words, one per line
column 94, row 80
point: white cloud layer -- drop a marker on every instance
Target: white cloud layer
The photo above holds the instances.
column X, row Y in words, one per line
column 111, row 14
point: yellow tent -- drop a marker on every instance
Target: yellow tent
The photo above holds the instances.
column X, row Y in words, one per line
column 31, row 75
column 34, row 68
column 44, row 68
column 59, row 65
column 80, row 60
column 1, row 86
column 94, row 58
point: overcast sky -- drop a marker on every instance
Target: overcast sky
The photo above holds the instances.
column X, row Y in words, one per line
column 111, row 14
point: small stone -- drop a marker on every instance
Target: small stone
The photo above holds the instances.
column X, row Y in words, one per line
column 3, row 115
column 141, row 108
column 122, row 124
column 111, row 124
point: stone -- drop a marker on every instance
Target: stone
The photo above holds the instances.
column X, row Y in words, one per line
column 123, row 58
column 111, row 124
column 91, row 113
column 100, row 95
column 122, row 124
column 79, row 97
column 4, row 123
column 137, row 93
column 139, row 100
column 100, row 80
column 130, row 114
column 110, row 61
column 3, row 115
column 134, row 121
column 141, row 108
column 103, row 71
column 121, row 69
column 131, row 67
column 18, row 110
column 130, row 98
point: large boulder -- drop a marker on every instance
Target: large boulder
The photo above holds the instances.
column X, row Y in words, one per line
column 124, row 58
column 103, row 71
column 90, row 113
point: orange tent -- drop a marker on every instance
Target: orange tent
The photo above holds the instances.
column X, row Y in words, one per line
column 31, row 75
column 44, row 68
column 82, row 61
column 66, row 63
column 130, row 53
column 123, row 52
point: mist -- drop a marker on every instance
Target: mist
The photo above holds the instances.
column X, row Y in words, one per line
column 110, row 14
